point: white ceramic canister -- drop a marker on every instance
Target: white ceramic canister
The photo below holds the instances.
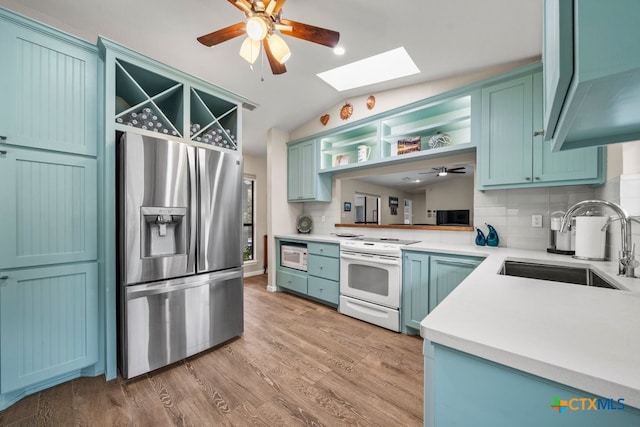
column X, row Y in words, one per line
column 590, row 237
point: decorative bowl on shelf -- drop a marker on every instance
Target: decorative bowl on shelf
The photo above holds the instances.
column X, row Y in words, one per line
column 439, row 140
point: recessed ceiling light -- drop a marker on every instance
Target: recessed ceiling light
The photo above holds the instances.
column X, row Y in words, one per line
column 386, row 66
column 338, row 50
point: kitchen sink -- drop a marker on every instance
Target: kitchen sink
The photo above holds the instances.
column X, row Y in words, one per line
column 577, row 275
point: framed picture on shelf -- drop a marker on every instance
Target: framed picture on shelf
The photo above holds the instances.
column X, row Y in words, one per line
column 409, row 145
column 341, row 160
column 347, row 206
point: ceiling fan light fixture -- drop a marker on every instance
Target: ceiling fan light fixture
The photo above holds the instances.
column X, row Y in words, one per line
column 279, row 48
column 250, row 50
column 257, row 28
column 442, row 172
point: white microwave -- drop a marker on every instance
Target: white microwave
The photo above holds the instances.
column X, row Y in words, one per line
column 293, row 256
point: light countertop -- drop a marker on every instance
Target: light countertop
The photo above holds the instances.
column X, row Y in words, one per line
column 585, row 337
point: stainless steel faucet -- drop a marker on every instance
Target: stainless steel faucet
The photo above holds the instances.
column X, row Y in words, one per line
column 626, row 257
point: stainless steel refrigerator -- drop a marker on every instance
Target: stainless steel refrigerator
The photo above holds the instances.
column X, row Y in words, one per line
column 180, row 253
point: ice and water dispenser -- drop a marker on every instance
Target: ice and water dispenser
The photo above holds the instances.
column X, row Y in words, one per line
column 163, row 231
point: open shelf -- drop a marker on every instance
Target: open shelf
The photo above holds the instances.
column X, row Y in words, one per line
column 342, row 149
column 412, row 130
column 406, row 133
column 213, row 120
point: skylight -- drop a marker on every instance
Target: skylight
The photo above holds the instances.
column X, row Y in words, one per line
column 385, row 66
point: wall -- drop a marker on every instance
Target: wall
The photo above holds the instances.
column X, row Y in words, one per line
column 281, row 215
column 388, row 100
column 455, row 193
column 624, row 189
column 257, row 168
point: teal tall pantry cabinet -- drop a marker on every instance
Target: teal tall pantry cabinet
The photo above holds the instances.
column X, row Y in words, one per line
column 49, row 287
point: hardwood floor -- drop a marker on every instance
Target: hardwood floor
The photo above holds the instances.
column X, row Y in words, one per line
column 297, row 363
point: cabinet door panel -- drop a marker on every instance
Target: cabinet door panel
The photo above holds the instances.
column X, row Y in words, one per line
column 445, row 275
column 557, row 57
column 48, row 205
column 506, row 148
column 290, row 280
column 307, row 168
column 48, row 323
column 323, row 289
column 293, row 172
column 415, row 282
column 48, row 91
column 325, row 267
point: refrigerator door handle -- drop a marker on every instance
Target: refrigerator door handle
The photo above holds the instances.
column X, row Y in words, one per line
column 166, row 286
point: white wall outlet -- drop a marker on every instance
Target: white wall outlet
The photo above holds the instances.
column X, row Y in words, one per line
column 536, row 221
column 323, row 218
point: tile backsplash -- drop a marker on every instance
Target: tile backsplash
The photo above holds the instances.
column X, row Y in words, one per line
column 509, row 211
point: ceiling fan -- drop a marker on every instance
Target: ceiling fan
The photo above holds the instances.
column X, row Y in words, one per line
column 264, row 18
column 443, row 171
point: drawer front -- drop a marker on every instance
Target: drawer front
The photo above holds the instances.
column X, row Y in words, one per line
column 325, row 267
column 295, row 282
column 323, row 289
column 326, row 249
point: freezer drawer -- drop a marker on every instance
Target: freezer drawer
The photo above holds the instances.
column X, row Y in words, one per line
column 170, row 320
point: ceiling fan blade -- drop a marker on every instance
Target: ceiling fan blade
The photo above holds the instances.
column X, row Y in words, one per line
column 243, row 5
column 311, row 33
column 455, row 170
column 223, row 35
column 274, row 6
column 276, row 67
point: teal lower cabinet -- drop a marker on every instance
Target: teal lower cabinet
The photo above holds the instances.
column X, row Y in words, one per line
column 48, row 327
column 291, row 280
column 321, row 281
column 465, row 390
column 427, row 279
column 324, row 290
column 445, row 273
column 415, row 290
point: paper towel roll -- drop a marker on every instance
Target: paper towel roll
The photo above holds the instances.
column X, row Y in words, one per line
column 590, row 239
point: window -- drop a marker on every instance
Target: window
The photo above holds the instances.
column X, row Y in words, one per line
column 248, row 230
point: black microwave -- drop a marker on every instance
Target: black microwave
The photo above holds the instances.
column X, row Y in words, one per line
column 453, row 217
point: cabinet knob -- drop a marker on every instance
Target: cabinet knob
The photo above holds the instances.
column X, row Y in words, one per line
column 537, row 178
column 3, row 152
column 538, row 132
column 528, row 178
column 3, row 138
column 4, row 277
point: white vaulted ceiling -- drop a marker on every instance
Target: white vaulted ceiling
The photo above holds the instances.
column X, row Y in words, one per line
column 444, row 38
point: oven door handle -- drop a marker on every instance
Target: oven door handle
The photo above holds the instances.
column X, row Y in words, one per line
column 370, row 258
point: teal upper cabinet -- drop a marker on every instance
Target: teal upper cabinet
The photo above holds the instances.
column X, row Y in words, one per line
column 145, row 96
column 48, row 89
column 592, row 95
column 304, row 182
column 512, row 151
